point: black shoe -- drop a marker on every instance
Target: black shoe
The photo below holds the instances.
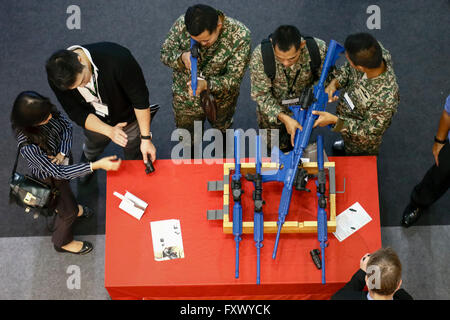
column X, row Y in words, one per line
column 87, row 213
column 87, row 247
column 411, row 214
column 338, row 146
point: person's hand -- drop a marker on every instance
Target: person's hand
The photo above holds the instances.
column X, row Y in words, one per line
column 363, row 262
column 147, row 148
column 107, row 163
column 186, row 59
column 58, row 159
column 291, row 125
column 201, row 85
column 325, row 118
column 330, row 90
column 436, row 149
column 117, row 135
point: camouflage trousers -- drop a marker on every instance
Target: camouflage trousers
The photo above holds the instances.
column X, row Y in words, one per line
column 358, row 147
column 188, row 109
column 274, row 132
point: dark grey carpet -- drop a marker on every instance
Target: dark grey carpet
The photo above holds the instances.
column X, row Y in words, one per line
column 30, row 269
column 415, row 32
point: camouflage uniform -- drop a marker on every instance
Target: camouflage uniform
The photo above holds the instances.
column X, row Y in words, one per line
column 223, row 66
column 375, row 102
column 269, row 94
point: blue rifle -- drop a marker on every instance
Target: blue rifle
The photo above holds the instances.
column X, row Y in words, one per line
column 236, row 189
column 258, row 220
column 194, row 62
column 289, row 163
column 322, row 204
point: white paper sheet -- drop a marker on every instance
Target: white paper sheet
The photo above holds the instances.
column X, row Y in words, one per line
column 132, row 204
column 167, row 240
column 350, row 221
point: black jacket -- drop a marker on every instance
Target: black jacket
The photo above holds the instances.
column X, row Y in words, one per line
column 353, row 290
column 121, row 85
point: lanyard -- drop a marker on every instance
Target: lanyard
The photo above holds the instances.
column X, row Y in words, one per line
column 95, row 93
column 291, row 87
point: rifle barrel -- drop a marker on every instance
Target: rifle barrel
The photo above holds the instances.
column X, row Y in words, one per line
column 237, row 239
column 193, row 68
column 258, row 263
column 322, row 249
column 275, row 248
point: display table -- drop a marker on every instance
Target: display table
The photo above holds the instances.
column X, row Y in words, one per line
column 207, row 271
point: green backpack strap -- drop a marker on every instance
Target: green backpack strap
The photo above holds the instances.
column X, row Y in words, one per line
column 314, row 53
column 268, row 58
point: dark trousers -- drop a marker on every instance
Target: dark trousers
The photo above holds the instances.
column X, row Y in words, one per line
column 435, row 182
column 66, row 209
column 95, row 143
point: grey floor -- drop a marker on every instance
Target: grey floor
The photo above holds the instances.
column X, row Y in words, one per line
column 32, row 270
column 415, row 32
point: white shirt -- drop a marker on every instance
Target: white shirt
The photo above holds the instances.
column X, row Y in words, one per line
column 86, row 90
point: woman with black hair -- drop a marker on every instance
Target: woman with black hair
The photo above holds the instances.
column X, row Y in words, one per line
column 44, row 136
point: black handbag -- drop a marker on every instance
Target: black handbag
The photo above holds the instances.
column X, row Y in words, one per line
column 30, row 193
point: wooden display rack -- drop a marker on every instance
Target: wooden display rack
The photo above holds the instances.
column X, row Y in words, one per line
column 271, row 226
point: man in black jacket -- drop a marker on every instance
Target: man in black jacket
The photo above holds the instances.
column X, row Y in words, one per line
column 436, row 181
column 102, row 89
column 381, row 271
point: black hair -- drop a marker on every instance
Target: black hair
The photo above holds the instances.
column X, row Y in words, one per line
column 363, row 50
column 285, row 37
column 63, row 67
column 29, row 110
column 199, row 18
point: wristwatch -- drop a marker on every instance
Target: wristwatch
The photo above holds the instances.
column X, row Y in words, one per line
column 440, row 141
column 147, row 137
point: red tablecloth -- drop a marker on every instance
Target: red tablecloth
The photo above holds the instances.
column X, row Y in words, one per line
column 207, row 271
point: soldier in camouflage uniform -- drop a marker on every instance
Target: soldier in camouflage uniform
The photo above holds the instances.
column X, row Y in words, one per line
column 293, row 74
column 224, row 55
column 369, row 96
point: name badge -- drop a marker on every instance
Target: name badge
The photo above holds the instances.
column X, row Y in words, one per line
column 290, row 102
column 100, row 108
column 349, row 101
